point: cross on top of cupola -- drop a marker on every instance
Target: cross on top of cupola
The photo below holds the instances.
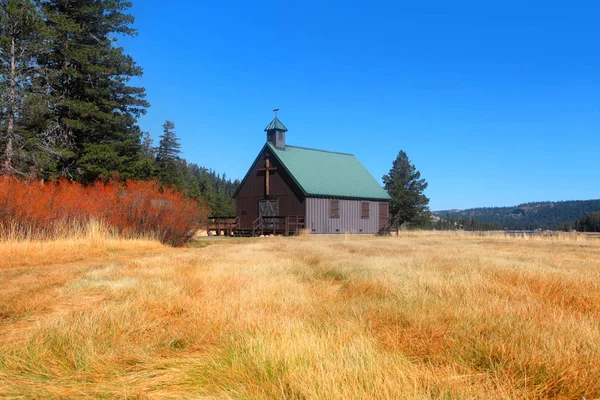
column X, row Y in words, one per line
column 276, row 124
column 276, row 131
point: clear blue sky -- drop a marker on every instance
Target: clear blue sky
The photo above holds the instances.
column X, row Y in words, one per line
column 495, row 104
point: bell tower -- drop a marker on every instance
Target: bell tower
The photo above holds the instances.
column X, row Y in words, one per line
column 276, row 132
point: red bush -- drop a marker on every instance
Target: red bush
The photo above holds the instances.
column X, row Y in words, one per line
column 134, row 208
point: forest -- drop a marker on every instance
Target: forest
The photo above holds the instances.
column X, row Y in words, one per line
column 528, row 216
column 68, row 109
column 587, row 223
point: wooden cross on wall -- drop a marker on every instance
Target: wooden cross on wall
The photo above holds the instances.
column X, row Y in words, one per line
column 267, row 168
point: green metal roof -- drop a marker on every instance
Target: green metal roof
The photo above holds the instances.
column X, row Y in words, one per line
column 276, row 125
column 329, row 174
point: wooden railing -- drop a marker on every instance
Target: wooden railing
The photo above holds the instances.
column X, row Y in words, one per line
column 276, row 225
column 258, row 227
column 392, row 225
column 282, row 225
column 294, row 224
column 225, row 225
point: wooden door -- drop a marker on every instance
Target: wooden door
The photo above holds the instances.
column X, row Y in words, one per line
column 268, row 208
column 384, row 214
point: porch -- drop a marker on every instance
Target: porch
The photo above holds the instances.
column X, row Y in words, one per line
column 287, row 225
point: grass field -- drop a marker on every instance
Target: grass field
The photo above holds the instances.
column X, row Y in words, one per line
column 423, row 315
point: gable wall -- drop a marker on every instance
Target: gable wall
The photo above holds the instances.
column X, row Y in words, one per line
column 282, row 188
column 318, row 218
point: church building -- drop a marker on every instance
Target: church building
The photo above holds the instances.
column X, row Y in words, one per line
column 290, row 188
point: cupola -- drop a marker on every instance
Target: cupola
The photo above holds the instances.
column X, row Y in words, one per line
column 276, row 132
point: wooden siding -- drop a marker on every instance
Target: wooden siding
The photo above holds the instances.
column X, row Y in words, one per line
column 282, row 188
column 350, row 219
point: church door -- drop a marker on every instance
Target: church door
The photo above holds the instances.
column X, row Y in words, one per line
column 268, row 208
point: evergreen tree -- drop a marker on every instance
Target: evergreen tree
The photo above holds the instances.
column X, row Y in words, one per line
column 21, row 40
column 169, row 147
column 91, row 120
column 170, row 166
column 409, row 204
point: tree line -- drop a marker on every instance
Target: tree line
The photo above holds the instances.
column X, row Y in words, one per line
column 467, row 224
column 68, row 109
column 529, row 216
column 586, row 223
column 192, row 180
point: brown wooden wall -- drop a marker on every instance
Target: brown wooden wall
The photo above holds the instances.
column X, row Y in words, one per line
column 282, row 188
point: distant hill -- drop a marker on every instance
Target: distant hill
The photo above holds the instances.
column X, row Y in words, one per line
column 544, row 215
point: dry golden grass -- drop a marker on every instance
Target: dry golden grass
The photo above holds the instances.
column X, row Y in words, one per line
column 423, row 315
column 77, row 243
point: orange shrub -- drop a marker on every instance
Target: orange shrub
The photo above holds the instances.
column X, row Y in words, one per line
column 132, row 208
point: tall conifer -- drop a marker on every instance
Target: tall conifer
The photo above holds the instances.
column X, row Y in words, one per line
column 93, row 111
column 171, row 167
column 405, row 186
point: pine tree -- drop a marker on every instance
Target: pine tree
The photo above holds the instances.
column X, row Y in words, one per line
column 170, row 166
column 405, row 186
column 92, row 113
column 169, row 147
column 21, row 40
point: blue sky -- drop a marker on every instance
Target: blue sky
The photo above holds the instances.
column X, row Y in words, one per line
column 495, row 104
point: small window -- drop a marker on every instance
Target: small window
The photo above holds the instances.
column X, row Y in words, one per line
column 335, row 208
column 365, row 210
